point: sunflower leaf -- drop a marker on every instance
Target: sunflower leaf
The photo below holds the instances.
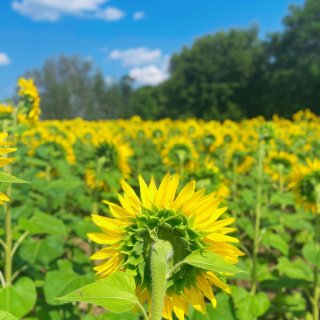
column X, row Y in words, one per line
column 6, row 316
column 18, row 299
column 115, row 293
column 4, row 177
column 210, row 261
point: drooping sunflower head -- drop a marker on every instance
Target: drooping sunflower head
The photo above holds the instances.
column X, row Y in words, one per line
column 189, row 221
column 208, row 176
column 305, row 181
column 92, row 181
column 5, row 149
column 114, row 154
column 29, row 95
column 179, row 152
column 6, row 111
column 279, row 164
column 238, row 158
column 52, row 147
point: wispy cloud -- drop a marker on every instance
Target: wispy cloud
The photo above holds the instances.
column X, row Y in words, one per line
column 53, row 10
column 135, row 56
column 138, row 15
column 111, row 14
column 4, row 59
column 152, row 74
column 149, row 75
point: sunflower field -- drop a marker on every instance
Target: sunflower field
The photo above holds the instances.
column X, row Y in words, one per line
column 238, row 203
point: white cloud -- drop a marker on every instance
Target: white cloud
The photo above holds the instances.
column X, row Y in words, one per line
column 109, row 80
column 135, row 56
column 138, row 15
column 53, row 10
column 111, row 14
column 4, row 59
column 151, row 74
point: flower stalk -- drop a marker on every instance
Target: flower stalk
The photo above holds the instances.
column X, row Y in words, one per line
column 316, row 292
column 256, row 239
column 8, row 242
column 161, row 253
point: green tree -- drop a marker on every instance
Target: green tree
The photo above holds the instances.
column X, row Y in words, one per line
column 145, row 102
column 211, row 79
column 72, row 87
column 293, row 62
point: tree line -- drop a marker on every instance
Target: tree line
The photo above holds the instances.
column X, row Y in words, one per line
column 230, row 74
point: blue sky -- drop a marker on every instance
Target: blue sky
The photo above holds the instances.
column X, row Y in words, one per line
column 133, row 37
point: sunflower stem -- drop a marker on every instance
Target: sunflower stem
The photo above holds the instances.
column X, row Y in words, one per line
column 161, row 252
column 7, row 210
column 234, row 178
column 256, row 239
column 316, row 292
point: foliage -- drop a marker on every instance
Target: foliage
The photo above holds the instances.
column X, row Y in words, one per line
column 71, row 166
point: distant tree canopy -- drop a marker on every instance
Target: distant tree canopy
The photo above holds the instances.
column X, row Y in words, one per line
column 230, row 74
column 234, row 74
column 211, row 79
column 71, row 87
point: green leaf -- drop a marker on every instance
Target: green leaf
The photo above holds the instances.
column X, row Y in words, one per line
column 60, row 282
column 112, row 316
column 210, row 261
column 42, row 251
column 295, row 270
column 273, row 240
column 312, row 253
column 42, row 223
column 249, row 306
column 6, row 316
column 4, row 177
column 115, row 293
column 20, row 298
column 282, row 198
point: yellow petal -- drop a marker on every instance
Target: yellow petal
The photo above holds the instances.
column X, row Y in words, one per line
column 171, row 191
column 118, row 212
column 221, row 238
column 104, row 253
column 130, row 194
column 180, row 307
column 108, row 224
column 167, row 310
column 103, row 238
column 205, row 287
column 216, row 225
column 184, row 195
column 152, row 189
column 4, row 197
column 217, row 282
column 144, row 193
column 162, row 191
column 195, row 298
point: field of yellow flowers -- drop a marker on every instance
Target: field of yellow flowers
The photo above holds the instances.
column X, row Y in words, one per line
column 82, row 199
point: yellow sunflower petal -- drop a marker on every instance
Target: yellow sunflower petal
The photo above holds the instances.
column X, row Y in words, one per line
column 103, row 238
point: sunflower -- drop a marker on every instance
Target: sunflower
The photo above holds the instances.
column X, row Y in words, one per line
column 179, row 153
column 189, row 221
column 6, row 111
column 305, row 181
column 4, row 150
column 30, row 97
column 114, row 151
column 279, row 164
column 92, row 181
column 208, row 176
